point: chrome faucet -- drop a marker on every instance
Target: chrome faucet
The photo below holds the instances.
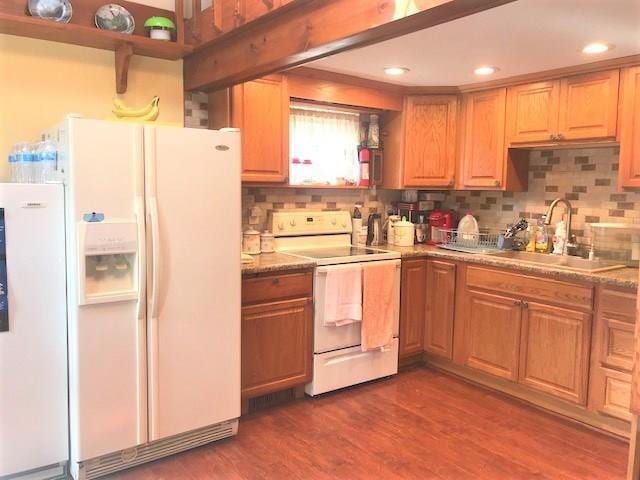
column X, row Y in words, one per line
column 547, row 220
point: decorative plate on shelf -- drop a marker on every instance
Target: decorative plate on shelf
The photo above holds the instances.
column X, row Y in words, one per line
column 115, row 18
column 56, row 10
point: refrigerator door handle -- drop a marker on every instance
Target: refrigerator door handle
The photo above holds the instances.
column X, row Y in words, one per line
column 142, row 258
column 155, row 257
column 152, row 323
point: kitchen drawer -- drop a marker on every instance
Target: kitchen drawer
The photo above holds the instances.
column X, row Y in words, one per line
column 350, row 366
column 618, row 303
column 524, row 286
column 269, row 288
column 616, row 343
column 611, row 393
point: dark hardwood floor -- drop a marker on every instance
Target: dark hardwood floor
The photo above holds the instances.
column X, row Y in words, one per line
column 420, row 424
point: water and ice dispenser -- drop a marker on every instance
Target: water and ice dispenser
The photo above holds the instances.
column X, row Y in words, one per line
column 109, row 263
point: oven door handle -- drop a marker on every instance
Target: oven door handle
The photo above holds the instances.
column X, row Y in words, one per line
column 325, row 270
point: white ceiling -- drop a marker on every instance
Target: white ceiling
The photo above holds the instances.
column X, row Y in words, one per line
column 520, row 37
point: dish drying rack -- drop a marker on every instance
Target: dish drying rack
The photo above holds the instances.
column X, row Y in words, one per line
column 485, row 241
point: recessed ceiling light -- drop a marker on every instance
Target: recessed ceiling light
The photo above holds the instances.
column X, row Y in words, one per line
column 396, row 70
column 485, row 70
column 596, row 47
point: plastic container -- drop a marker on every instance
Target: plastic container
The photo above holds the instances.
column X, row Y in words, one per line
column 560, row 238
column 468, row 227
column 542, row 237
column 48, row 161
column 14, row 167
column 24, row 157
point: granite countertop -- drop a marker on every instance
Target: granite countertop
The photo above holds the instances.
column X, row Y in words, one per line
column 623, row 278
column 276, row 262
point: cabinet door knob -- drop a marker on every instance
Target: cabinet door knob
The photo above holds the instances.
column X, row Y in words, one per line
column 553, row 136
column 275, row 281
column 525, row 305
column 561, row 136
column 451, row 183
column 517, row 303
column 497, row 183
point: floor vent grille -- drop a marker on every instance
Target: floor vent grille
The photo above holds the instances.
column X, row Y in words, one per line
column 121, row 460
column 270, row 400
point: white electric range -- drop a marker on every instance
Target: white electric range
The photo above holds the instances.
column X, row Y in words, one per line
column 338, row 360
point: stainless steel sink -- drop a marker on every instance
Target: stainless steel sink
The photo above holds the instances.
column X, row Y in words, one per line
column 559, row 261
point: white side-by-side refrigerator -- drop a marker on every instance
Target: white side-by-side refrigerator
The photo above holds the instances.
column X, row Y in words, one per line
column 152, row 217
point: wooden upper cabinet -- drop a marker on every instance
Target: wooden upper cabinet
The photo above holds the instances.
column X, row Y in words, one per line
column 554, row 351
column 430, row 140
column 260, row 109
column 629, row 129
column 412, row 310
column 483, row 158
column 532, row 112
column 492, row 333
column 589, row 106
column 440, row 311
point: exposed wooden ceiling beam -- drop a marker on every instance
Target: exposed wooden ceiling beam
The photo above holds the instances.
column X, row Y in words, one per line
column 313, row 30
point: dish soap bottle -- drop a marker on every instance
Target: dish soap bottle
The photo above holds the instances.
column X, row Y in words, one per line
column 531, row 238
column 542, row 236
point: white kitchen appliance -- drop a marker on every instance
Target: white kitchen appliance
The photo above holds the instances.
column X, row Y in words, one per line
column 153, row 290
column 33, row 333
column 325, row 237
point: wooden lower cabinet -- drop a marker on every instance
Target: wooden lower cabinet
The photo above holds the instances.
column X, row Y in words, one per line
column 277, row 335
column 440, row 308
column 492, row 333
column 554, row 351
column 412, row 307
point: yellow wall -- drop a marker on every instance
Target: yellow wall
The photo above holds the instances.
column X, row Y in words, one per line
column 42, row 81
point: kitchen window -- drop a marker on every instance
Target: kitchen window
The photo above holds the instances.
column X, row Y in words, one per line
column 323, row 147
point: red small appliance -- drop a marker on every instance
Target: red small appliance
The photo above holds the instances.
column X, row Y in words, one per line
column 437, row 220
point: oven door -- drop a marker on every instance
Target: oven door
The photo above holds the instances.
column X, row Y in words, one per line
column 329, row 338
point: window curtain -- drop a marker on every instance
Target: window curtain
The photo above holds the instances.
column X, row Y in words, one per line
column 323, row 146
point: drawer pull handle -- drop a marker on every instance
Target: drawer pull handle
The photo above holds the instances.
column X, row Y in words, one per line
column 275, row 281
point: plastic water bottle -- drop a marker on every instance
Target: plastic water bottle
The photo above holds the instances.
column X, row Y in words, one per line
column 36, row 164
column 47, row 161
column 24, row 156
column 13, row 166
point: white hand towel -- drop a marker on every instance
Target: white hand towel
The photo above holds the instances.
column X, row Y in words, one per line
column 343, row 296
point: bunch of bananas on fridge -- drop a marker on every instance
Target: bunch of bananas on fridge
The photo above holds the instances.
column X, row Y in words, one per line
column 148, row 113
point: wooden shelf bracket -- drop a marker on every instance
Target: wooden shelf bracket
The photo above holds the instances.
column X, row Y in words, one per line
column 123, row 54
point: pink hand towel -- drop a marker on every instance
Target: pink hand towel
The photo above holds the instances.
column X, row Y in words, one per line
column 377, row 305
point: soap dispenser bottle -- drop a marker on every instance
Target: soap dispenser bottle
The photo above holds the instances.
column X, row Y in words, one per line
column 542, row 236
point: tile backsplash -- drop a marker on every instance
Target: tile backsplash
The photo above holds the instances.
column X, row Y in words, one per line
column 269, row 199
column 587, row 177
column 196, row 113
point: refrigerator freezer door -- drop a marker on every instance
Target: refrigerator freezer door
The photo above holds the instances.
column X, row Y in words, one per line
column 193, row 213
column 107, row 341
column 33, row 350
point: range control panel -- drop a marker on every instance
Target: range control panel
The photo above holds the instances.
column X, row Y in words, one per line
column 289, row 224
